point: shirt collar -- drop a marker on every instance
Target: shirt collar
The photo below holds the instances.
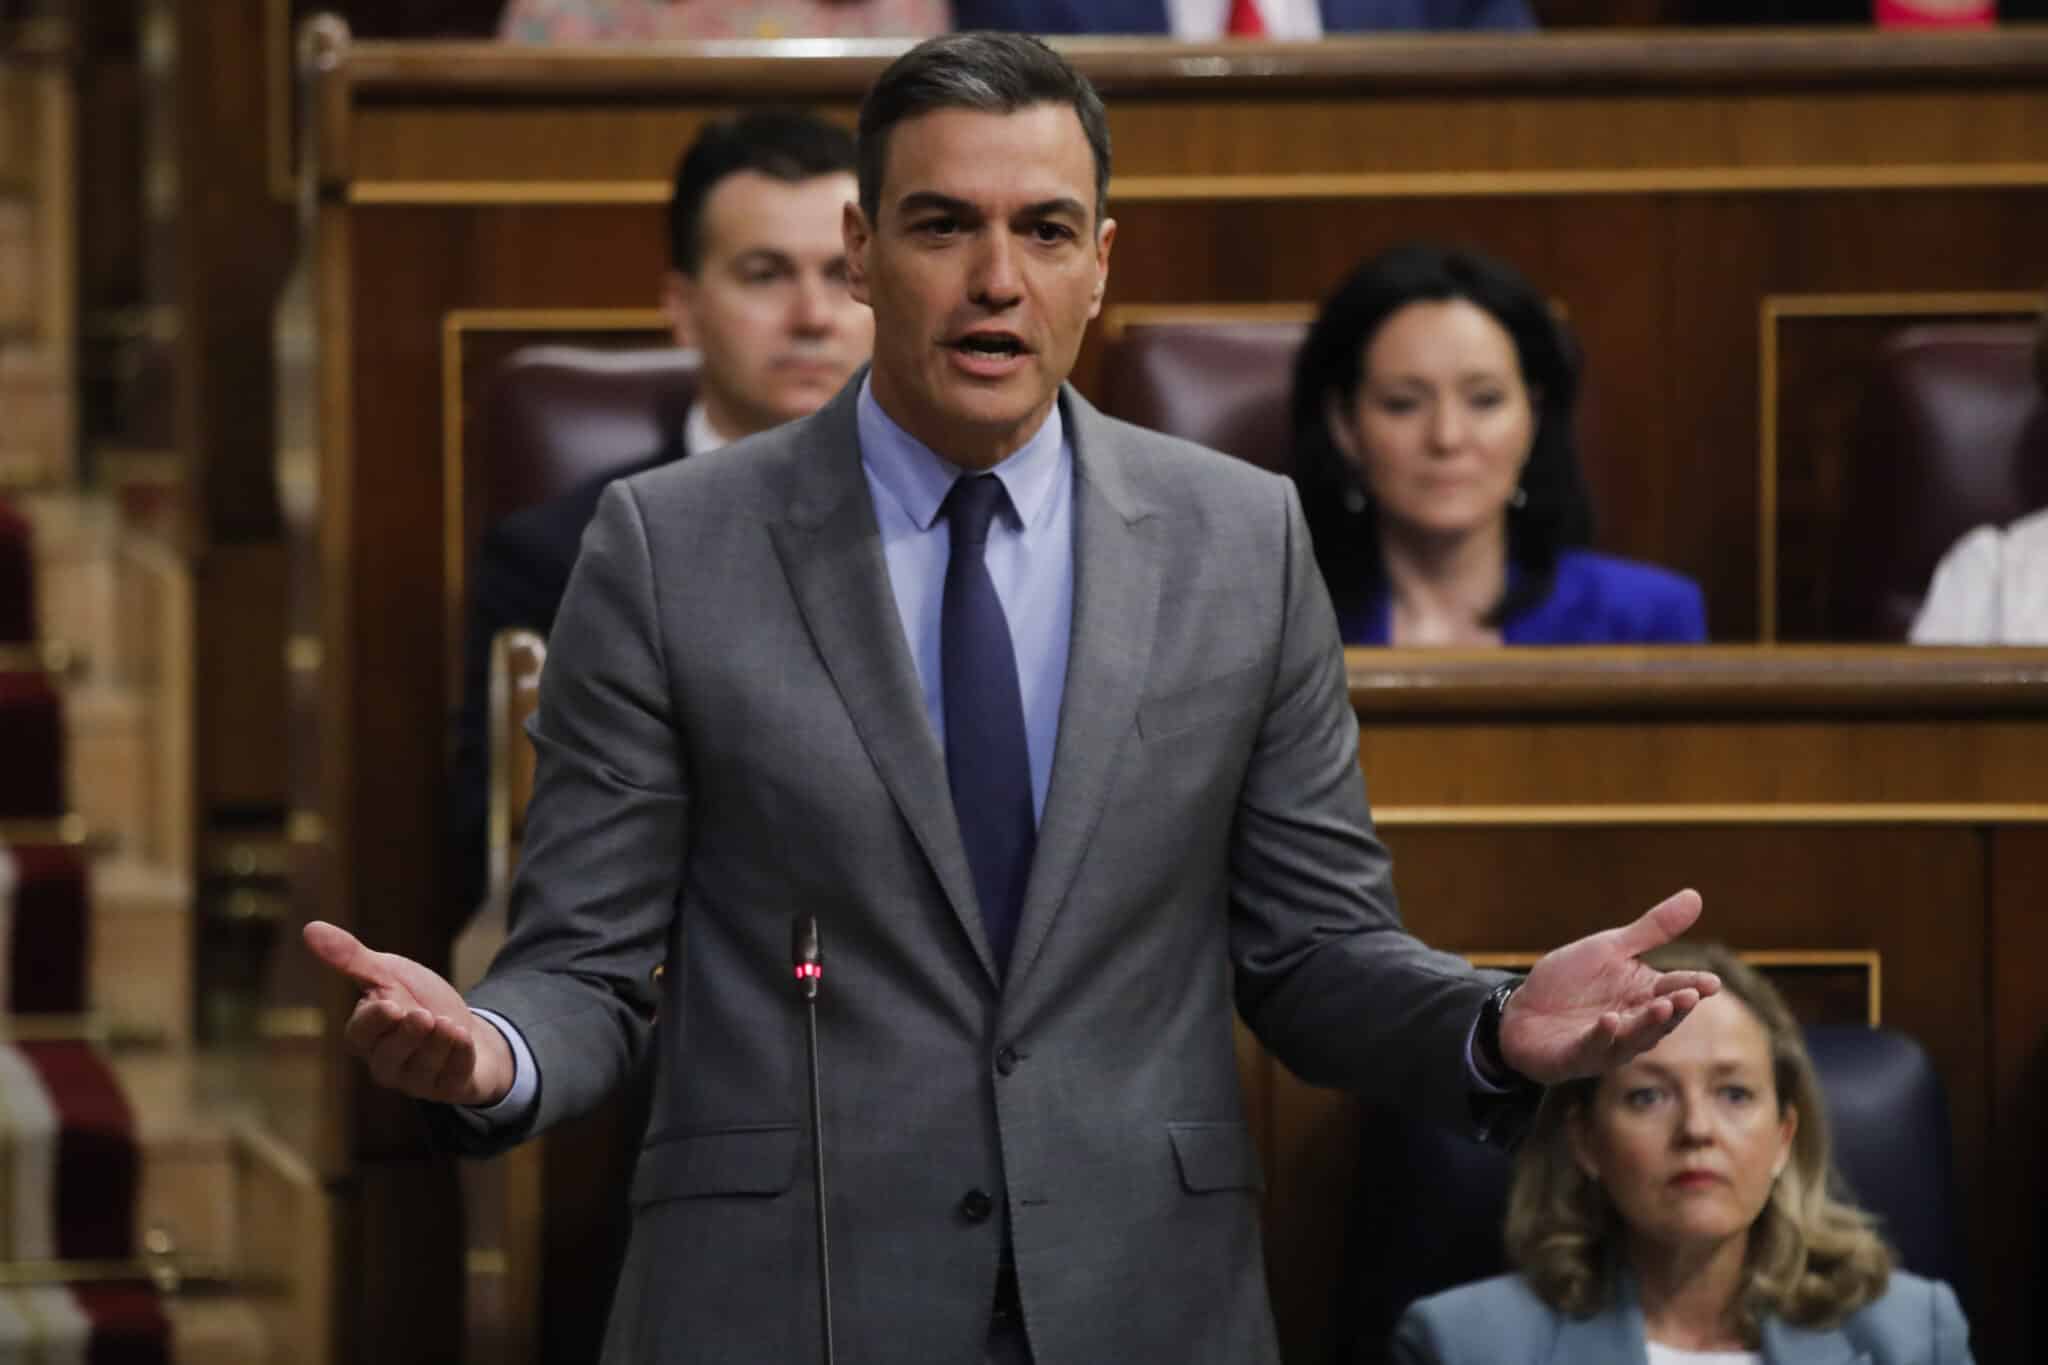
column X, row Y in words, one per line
column 699, row 436
column 918, row 479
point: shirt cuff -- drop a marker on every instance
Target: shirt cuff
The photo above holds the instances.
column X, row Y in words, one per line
column 1480, row 1081
column 525, row 1092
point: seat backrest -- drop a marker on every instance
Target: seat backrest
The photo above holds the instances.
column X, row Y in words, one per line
column 1954, row 436
column 1222, row 384
column 1429, row 1206
column 558, row 416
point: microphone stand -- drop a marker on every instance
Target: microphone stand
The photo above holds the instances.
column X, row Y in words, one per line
column 810, row 971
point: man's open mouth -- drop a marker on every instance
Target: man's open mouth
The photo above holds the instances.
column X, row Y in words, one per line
column 990, row 344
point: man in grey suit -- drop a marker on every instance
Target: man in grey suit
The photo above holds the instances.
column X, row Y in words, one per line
column 1044, row 718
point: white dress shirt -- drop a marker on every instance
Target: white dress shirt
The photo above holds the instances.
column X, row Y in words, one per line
column 1201, row 20
column 1991, row 588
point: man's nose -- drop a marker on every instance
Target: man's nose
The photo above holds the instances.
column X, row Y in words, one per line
column 995, row 282
column 812, row 310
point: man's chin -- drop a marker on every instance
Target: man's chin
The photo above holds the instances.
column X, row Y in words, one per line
column 991, row 405
column 801, row 400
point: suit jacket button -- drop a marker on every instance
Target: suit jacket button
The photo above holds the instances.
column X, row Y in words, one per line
column 1006, row 1059
column 976, row 1206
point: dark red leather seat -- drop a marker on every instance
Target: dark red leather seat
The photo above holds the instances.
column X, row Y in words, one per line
column 556, row 416
column 1222, row 384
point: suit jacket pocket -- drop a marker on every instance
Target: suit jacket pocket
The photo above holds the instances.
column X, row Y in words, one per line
column 1216, row 1156
column 1224, row 695
column 759, row 1161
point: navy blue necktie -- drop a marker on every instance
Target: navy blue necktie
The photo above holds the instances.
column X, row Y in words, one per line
column 987, row 764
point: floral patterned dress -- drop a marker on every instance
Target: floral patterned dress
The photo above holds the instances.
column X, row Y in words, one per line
column 582, row 21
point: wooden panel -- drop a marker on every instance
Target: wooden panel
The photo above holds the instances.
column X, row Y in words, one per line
column 242, row 658
column 2016, row 1190
column 398, row 1273
column 1706, row 761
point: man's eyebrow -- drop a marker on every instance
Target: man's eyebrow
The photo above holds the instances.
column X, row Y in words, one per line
column 1054, row 208
column 918, row 201
column 760, row 255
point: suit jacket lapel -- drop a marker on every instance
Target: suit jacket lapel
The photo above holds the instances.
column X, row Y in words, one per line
column 1117, row 574
column 831, row 552
column 1612, row 1337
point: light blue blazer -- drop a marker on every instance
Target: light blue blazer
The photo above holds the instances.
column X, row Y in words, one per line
column 1501, row 1322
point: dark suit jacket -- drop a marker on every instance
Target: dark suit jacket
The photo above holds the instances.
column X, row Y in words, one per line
column 731, row 733
column 522, row 568
column 1149, row 16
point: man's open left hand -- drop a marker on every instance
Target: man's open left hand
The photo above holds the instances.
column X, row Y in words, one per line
column 1594, row 1004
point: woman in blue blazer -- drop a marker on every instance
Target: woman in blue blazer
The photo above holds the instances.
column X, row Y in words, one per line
column 1680, row 1208
column 1432, row 413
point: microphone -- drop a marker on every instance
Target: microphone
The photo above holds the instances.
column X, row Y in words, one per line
column 809, row 960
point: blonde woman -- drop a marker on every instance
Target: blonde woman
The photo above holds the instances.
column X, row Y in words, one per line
column 1679, row 1210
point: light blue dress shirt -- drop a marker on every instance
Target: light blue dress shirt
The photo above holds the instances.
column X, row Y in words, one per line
column 1030, row 558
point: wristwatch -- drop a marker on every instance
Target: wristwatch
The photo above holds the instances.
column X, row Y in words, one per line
column 1486, row 1039
column 1501, row 1116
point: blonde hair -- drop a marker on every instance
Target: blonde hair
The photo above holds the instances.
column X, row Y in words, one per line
column 1814, row 1258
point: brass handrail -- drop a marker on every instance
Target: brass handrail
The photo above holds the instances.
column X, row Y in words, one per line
column 68, row 830
column 89, row 1027
column 160, row 1264
column 53, row 657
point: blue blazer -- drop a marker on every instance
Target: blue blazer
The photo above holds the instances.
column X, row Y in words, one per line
column 1502, row 1322
column 1596, row 600
column 1149, row 16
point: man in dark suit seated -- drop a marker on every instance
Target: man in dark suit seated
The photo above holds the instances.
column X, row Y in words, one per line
column 1205, row 19
column 757, row 286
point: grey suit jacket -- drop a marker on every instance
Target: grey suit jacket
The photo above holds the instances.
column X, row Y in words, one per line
column 1502, row 1322
column 731, row 734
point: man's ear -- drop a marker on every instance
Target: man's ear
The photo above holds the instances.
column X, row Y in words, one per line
column 679, row 307
column 856, row 232
column 1105, row 238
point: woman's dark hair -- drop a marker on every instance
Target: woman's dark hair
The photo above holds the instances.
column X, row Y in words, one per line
column 1555, row 513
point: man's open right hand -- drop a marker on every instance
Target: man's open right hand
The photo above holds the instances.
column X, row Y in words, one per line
column 412, row 1028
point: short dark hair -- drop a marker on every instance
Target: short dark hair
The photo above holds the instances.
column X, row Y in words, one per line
column 993, row 73
column 784, row 144
column 1555, row 515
